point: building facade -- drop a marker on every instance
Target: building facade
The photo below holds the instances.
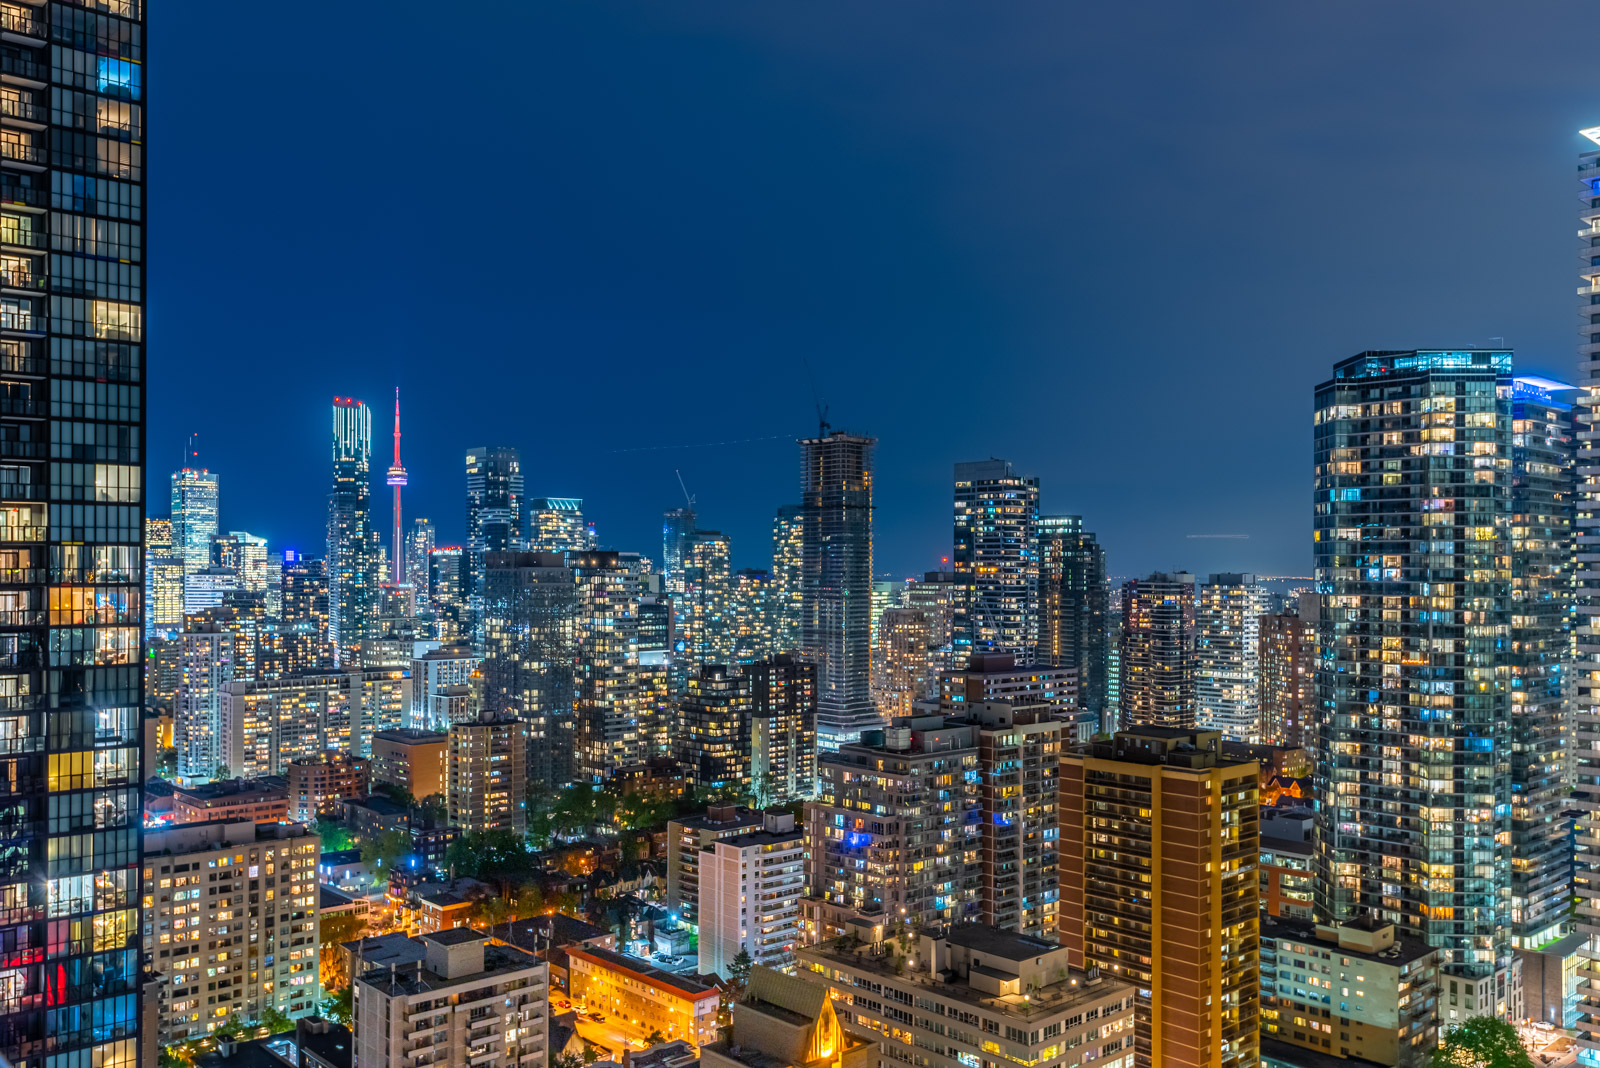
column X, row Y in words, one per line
column 495, row 514
column 678, row 1006
column 1159, row 845
column 529, row 605
column 996, row 560
column 1156, row 685
column 750, row 889
column 411, row 760
column 1287, row 662
column 1227, row 668
column 1073, row 609
column 196, row 507
column 836, row 582
column 783, row 729
column 486, row 774
column 1413, row 559
column 201, row 882
column 352, row 557
column 714, row 729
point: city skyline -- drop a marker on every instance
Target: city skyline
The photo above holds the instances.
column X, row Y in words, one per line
column 1003, row 247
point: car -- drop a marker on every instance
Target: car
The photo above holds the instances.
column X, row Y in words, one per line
column 597, row 1018
column 564, row 1004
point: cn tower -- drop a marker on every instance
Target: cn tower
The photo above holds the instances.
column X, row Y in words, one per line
column 397, row 479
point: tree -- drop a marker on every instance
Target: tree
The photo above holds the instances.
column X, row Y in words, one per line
column 385, row 852
column 177, row 1057
column 339, row 1006
column 167, row 767
column 340, row 927
column 560, row 1060
column 335, row 836
column 655, row 1037
column 1482, row 1042
column 273, row 1019
column 590, row 1053
column 222, row 772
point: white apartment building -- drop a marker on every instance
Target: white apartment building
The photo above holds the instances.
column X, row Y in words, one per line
column 750, row 888
column 231, row 922
column 468, row 1003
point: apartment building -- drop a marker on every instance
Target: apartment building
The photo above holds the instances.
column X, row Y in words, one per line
column 230, row 922
column 467, row 1001
column 750, row 888
column 232, row 799
column 486, row 774
column 317, row 784
column 685, row 841
column 411, row 759
column 609, row 982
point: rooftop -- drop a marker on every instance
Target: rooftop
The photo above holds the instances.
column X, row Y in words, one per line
column 684, row 985
column 379, row 804
column 341, row 857
column 558, row 929
column 999, row 943
column 1051, row 1000
column 411, row 735
column 1306, row 932
column 456, row 936
column 416, row 978
column 267, row 785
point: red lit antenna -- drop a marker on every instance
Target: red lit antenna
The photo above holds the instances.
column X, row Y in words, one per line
column 397, row 479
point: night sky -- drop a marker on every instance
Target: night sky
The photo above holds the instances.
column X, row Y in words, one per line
column 1117, row 244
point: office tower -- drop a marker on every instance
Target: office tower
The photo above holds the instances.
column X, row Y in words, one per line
column 1413, row 755
column 187, row 920
column 1018, row 749
column 419, row 572
column 266, row 723
column 966, row 975
column 705, row 608
column 836, row 581
column 352, row 562
column 1287, row 663
column 529, row 604
column 207, row 662
column 750, row 616
column 441, row 680
column 486, row 1002
column 494, row 519
column 411, row 760
column 917, row 869
column 195, row 508
column 687, row 841
column 305, row 616
column 988, row 677
column 556, row 525
column 486, row 774
column 318, row 784
column 1543, row 455
column 163, row 581
column 714, row 736
column 207, row 588
column 1227, row 633
column 750, row 888
column 903, row 667
column 783, row 1021
column 996, row 560
column 71, row 333
column 676, row 525
column 447, row 590
column 1072, row 605
column 1387, row 986
column 1157, row 651
column 1159, row 843
column 788, row 553
column 605, row 700
column 396, row 478
column 783, row 729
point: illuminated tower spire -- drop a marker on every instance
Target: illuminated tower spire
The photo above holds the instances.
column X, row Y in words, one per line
column 397, row 479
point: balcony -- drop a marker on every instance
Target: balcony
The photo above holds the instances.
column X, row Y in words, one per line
column 21, row 321
column 24, row 66
column 15, row 534
column 21, row 277
column 13, row 20
column 17, row 108
column 21, row 152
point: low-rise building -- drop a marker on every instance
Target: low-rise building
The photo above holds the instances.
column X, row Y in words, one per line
column 1287, row 859
column 231, row 922
column 976, row 995
column 657, row 779
column 647, row 997
column 786, row 1022
column 232, row 799
column 1358, row 989
column 343, row 869
column 750, row 887
column 466, row 1002
column 410, row 759
column 318, row 784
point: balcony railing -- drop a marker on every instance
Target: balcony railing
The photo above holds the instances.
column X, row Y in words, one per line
column 23, row 67
column 23, row 22
column 20, row 278
column 16, row 235
column 21, row 152
column 23, row 534
column 20, row 406
column 22, row 321
column 17, row 108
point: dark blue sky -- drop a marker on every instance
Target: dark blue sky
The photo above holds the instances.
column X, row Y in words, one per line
column 1116, row 244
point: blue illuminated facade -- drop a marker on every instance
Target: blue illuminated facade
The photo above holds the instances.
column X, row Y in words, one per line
column 1413, row 501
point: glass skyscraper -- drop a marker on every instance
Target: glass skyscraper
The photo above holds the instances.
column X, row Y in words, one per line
column 195, row 507
column 996, row 560
column 72, row 505
column 1413, row 466
column 494, row 518
column 1072, row 605
column 352, row 558
column 836, row 582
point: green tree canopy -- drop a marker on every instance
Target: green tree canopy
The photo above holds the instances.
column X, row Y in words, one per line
column 273, row 1019
column 385, row 852
column 1482, row 1042
column 339, row 1006
column 335, row 835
